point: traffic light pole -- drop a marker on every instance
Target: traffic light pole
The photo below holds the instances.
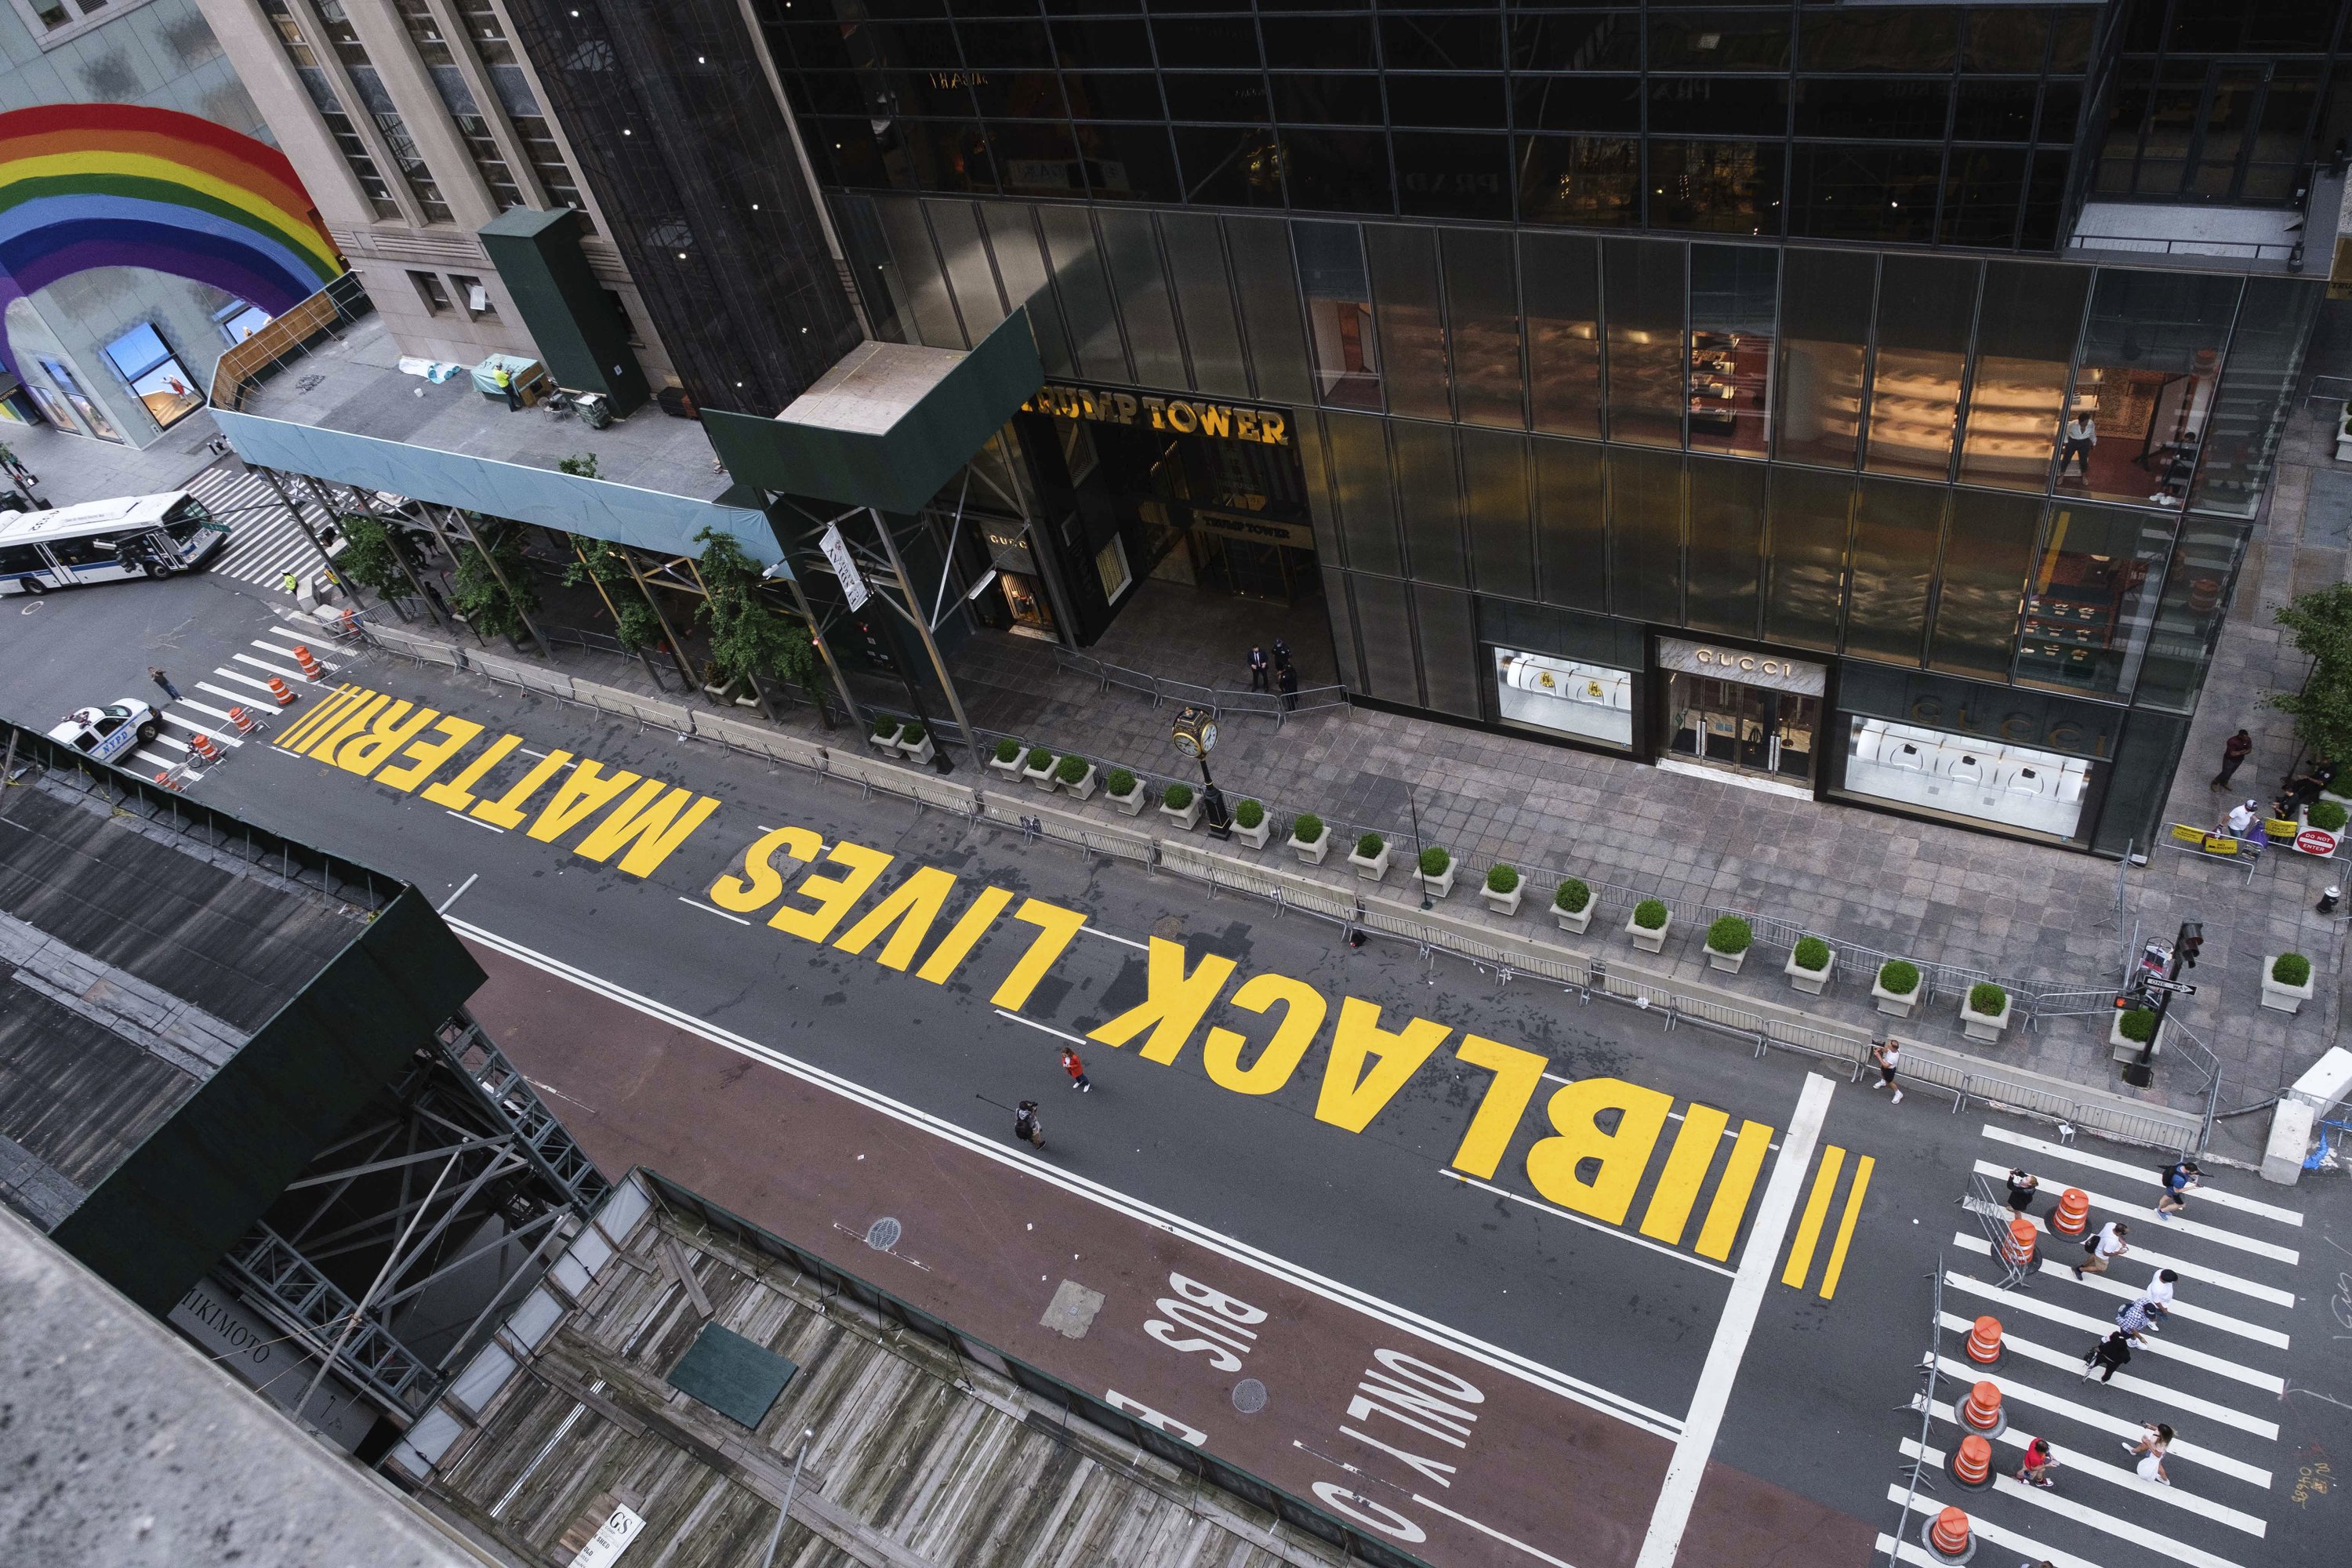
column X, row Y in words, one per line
column 2141, row 1073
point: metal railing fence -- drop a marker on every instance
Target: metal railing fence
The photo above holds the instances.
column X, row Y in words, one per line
column 1222, row 700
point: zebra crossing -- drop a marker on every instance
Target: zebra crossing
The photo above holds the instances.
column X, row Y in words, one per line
column 264, row 543
column 2214, row 1372
column 241, row 682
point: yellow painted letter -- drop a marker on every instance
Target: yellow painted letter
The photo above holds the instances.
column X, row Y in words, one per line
column 1304, row 1011
column 834, row 895
column 657, row 829
column 911, row 906
column 1516, row 1074
column 507, row 811
column 459, row 793
column 1056, row 928
column 1173, row 1002
column 393, row 728
column 430, row 754
column 1552, row 1164
column 1352, row 1097
column 757, row 887
column 588, row 787
column 964, row 935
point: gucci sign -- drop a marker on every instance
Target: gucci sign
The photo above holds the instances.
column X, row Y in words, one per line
column 1771, row 669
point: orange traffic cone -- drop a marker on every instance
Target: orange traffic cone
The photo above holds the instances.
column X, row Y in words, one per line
column 203, row 746
column 246, row 722
column 170, row 781
column 1971, row 1463
column 2017, row 1247
column 280, row 690
column 312, row 668
column 1948, row 1538
column 1984, row 1342
column 2073, row 1212
column 1981, row 1410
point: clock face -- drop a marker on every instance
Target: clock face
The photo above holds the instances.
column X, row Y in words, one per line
column 1187, row 743
column 1209, row 735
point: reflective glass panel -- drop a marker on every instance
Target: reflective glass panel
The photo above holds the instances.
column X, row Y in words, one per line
column 1924, row 308
column 1591, row 181
column 2257, row 390
column 1896, row 530
column 1021, row 266
column 1495, row 473
column 2189, row 612
column 1086, row 292
column 1141, row 285
column 1644, row 282
column 2143, row 394
column 1731, row 306
column 1805, row 577
column 1359, row 472
column 1726, row 534
column 1387, row 627
column 1264, row 282
column 1412, row 328
column 1483, row 315
column 1824, row 327
column 1717, row 187
column 1338, row 313
column 1432, row 502
column 2091, row 598
column 1443, row 174
column 1449, row 652
column 1196, row 264
column 1571, row 532
column 1981, row 586
column 956, row 225
column 1646, row 553
column 1338, row 170
column 2026, row 333
column 1561, row 283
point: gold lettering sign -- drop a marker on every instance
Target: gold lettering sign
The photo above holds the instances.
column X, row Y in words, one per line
column 1185, row 416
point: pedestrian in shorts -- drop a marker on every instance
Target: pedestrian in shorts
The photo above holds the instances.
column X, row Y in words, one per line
column 2035, row 1469
column 2103, row 1247
column 2177, row 1180
column 1077, row 1071
column 1886, row 1056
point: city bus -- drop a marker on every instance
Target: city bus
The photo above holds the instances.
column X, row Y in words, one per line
column 105, row 541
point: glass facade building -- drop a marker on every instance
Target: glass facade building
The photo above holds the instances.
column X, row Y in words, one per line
column 1711, row 385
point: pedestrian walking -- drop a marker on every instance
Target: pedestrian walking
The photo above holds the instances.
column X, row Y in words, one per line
column 2159, row 1298
column 291, row 582
column 164, row 680
column 2132, row 1321
column 2112, row 1352
column 2101, row 1249
column 1026, row 1127
column 1257, row 667
column 1886, row 1056
column 2241, row 818
column 2035, row 1469
column 2021, row 1186
column 2235, row 751
column 1287, row 680
column 503, row 379
column 2177, row 1181
column 1077, row 1071
column 2155, row 1437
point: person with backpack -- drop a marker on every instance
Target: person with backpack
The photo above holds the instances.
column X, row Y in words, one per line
column 2177, row 1180
column 1025, row 1125
column 2111, row 1354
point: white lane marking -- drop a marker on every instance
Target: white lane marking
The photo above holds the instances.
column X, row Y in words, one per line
column 1444, row 1336
column 1696, row 1446
column 168, row 741
column 2185, row 1226
column 220, row 714
column 2058, row 1404
column 713, row 908
column 1042, row 1028
column 1609, row 1230
column 1488, row 1530
column 527, row 751
column 239, row 698
column 260, row 686
column 2121, row 1529
column 476, row 821
column 286, row 651
column 168, row 765
column 2099, row 1328
column 2070, row 1462
column 2008, row 1539
column 2186, row 1311
column 461, row 893
column 1122, row 940
column 2204, row 1194
column 2203, row 1273
column 273, row 668
column 2127, row 1381
column 222, row 736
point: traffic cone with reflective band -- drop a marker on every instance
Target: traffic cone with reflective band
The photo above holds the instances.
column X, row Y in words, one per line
column 1947, row 1537
column 204, row 747
column 2018, row 1248
column 170, row 781
column 246, row 722
column 1982, row 1411
column 280, row 690
column 312, row 668
column 2073, row 1212
column 1971, row 1463
column 1984, row 1342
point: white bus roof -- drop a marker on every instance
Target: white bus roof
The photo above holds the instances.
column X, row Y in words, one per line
column 87, row 517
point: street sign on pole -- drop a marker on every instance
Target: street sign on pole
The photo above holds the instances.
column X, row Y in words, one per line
column 836, row 550
column 2177, row 987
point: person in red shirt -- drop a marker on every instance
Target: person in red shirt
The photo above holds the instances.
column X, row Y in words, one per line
column 1077, row 1071
column 2035, row 1469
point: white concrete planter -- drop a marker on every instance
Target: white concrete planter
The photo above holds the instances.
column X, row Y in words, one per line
column 1986, row 1027
column 1728, row 962
column 886, row 743
column 1573, row 922
column 1312, row 854
column 1085, row 787
column 1011, row 770
column 1437, row 887
column 1131, row 803
column 1808, row 981
column 2125, row 1048
column 1186, row 817
column 1373, row 870
column 2286, row 998
column 921, row 750
column 1896, row 1004
column 1649, row 940
column 2343, row 448
column 1255, row 837
column 1503, row 904
column 1041, row 777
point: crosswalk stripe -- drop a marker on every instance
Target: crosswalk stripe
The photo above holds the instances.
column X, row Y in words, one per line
column 168, row 763
column 2065, row 1507
column 261, row 687
column 238, row 697
column 2205, row 1193
column 168, row 741
column 1913, row 1552
column 2204, row 1273
column 277, row 669
column 220, row 714
column 2006, row 1540
column 2098, row 1328
column 2128, row 1381
column 2185, row 1226
column 2072, row 1462
column 2187, row 1311
column 225, row 740
column 288, row 649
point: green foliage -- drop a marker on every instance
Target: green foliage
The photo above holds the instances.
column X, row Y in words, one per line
column 2137, row 1026
column 1007, row 749
column 583, row 465
column 2320, row 625
column 601, row 562
column 1898, row 977
column 1121, row 782
column 2291, row 969
column 2326, row 813
column 1650, row 914
column 885, row 726
column 746, row 637
column 911, row 734
column 480, row 596
column 368, row 556
column 1307, row 828
column 1071, row 769
column 1434, row 861
column 1370, row 846
column 1728, row 934
column 1176, row 797
column 1038, row 760
column 1984, row 996
column 1812, row 953
column 1573, row 896
column 1501, row 878
column 1249, row 814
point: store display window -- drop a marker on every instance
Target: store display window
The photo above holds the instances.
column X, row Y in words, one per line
column 1962, row 776
column 1925, row 308
column 1732, row 292
column 141, row 358
column 2151, row 359
column 1565, row 696
column 2092, row 598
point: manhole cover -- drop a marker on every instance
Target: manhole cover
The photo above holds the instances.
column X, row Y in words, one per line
column 1249, row 1396
column 884, row 1234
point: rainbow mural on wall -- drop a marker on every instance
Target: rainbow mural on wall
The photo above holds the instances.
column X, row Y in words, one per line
column 117, row 184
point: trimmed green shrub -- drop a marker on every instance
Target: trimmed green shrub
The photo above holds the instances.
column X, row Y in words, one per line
column 1650, row 914
column 2138, row 1025
column 2327, row 815
column 1307, row 828
column 911, row 734
column 1898, row 977
column 1007, row 749
column 1502, row 879
column 1728, row 934
column 1812, row 953
column 1249, row 814
column 1071, row 769
column 885, row 726
column 1434, row 859
column 1573, row 896
column 2291, row 969
column 1038, row 760
column 1370, row 846
column 1121, row 782
column 1176, row 797
column 1984, row 996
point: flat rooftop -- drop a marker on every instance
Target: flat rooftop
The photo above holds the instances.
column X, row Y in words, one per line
column 354, row 384
column 875, row 386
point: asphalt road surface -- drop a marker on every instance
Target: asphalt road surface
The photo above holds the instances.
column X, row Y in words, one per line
column 1520, row 1278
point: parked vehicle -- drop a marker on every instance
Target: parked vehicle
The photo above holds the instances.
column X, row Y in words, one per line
column 106, row 541
column 104, row 734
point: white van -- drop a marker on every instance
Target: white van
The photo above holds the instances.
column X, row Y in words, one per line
column 106, row 541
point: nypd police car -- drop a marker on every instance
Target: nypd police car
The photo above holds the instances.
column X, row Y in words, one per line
column 104, row 734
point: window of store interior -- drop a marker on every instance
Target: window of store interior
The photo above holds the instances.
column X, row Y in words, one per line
column 2027, row 329
column 2090, row 602
column 1925, row 306
column 2144, row 385
column 1338, row 298
column 1733, row 290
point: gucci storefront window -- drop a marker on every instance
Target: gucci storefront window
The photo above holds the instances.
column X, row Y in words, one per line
column 1564, row 696
column 1986, row 755
column 1743, row 711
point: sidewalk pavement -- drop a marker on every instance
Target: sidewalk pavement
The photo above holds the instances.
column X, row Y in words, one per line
column 76, row 469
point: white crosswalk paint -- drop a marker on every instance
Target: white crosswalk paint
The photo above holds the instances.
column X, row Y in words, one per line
column 243, row 699
column 2098, row 1328
column 1986, row 1530
column 223, row 737
column 264, row 543
column 286, row 670
column 2203, row 1273
column 2074, row 1461
column 2139, row 1535
column 2182, row 1311
column 2130, row 1382
column 286, row 650
column 260, row 686
column 2205, row 1193
column 1913, row 1552
column 2184, row 1226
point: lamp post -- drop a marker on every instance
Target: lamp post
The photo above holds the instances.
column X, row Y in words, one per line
column 1413, row 803
column 1195, row 734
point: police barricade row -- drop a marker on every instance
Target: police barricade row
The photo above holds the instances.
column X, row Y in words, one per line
column 777, row 747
